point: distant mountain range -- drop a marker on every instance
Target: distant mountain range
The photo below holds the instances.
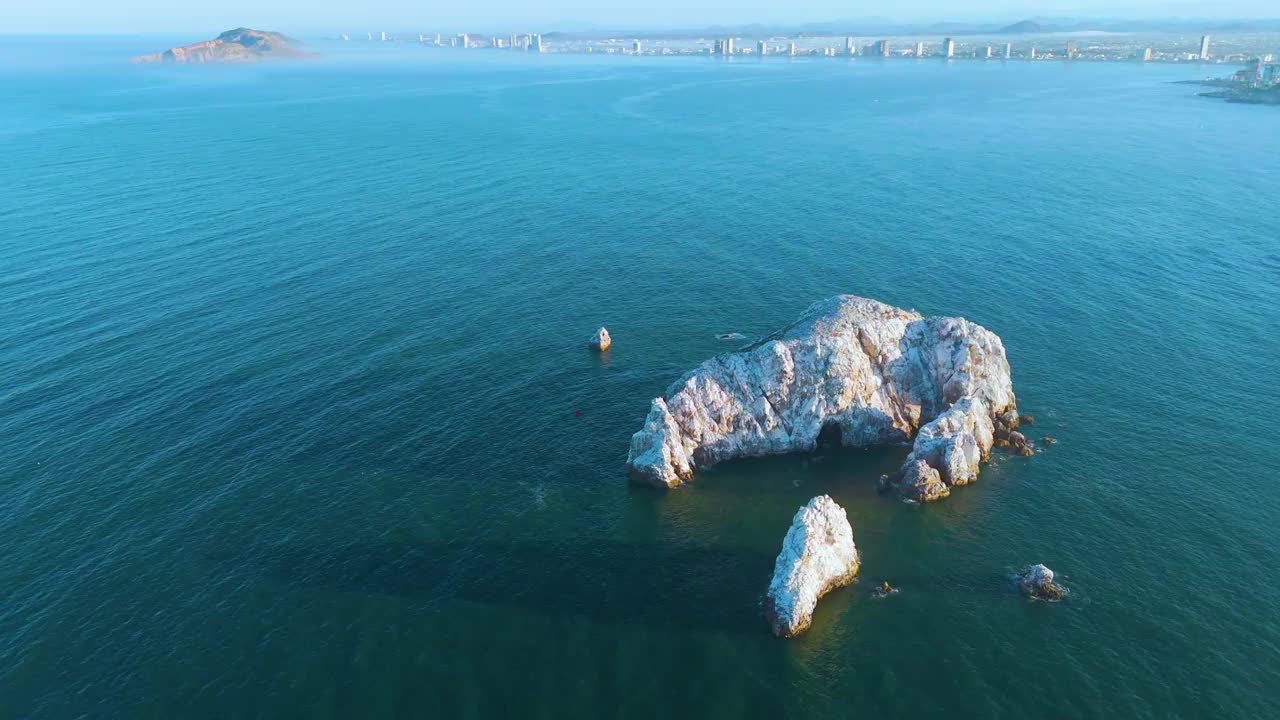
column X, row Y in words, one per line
column 1026, row 27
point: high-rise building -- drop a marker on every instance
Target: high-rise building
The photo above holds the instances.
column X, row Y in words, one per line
column 439, row 40
column 761, row 48
column 792, row 50
column 718, row 48
column 949, row 48
column 1146, row 55
column 1008, row 51
column 988, row 53
column 1033, row 53
column 384, row 36
column 849, row 47
column 1204, row 48
column 882, row 48
column 728, row 47
column 537, row 43
column 1071, row 50
column 636, row 47
column 920, row 49
column 464, row 40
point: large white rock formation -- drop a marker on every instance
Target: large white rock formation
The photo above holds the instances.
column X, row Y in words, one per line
column 818, row 555
column 850, row 368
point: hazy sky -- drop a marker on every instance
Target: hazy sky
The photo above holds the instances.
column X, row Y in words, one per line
column 300, row 16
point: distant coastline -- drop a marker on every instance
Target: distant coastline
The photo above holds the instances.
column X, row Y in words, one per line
column 1257, row 84
column 1027, row 41
column 1247, row 96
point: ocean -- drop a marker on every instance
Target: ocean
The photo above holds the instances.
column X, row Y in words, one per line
column 297, row 417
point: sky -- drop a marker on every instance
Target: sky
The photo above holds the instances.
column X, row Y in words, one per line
column 305, row 16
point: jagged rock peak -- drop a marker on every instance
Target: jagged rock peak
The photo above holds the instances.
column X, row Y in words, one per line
column 818, row 555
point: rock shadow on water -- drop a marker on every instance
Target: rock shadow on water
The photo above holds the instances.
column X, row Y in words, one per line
column 830, row 467
column 683, row 586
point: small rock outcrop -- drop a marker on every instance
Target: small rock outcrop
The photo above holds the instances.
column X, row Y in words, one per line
column 884, row 590
column 818, row 555
column 233, row 46
column 1037, row 582
column 922, row 483
column 852, row 370
column 1020, row 445
column 600, row 342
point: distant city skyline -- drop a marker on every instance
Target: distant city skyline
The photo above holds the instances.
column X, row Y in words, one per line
column 303, row 16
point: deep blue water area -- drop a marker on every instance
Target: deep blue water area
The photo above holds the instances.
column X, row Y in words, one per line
column 297, row 421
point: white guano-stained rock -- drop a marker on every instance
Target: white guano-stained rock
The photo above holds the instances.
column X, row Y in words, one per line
column 950, row 448
column 600, row 341
column 818, row 555
column 872, row 372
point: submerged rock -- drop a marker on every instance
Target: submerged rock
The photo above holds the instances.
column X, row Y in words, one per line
column 1026, row 420
column 601, row 341
column 731, row 336
column 1048, row 440
column 852, row 370
column 885, row 590
column 1037, row 582
column 818, row 555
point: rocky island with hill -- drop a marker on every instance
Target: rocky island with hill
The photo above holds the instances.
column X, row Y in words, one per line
column 241, row 45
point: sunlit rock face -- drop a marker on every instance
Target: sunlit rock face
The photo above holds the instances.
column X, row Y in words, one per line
column 818, row 555
column 948, row 451
column 600, row 341
column 850, row 368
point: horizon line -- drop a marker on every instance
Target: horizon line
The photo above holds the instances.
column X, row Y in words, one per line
column 569, row 27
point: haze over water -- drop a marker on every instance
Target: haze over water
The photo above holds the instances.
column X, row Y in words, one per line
column 294, row 361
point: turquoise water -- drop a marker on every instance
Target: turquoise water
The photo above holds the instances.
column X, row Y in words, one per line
column 293, row 361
